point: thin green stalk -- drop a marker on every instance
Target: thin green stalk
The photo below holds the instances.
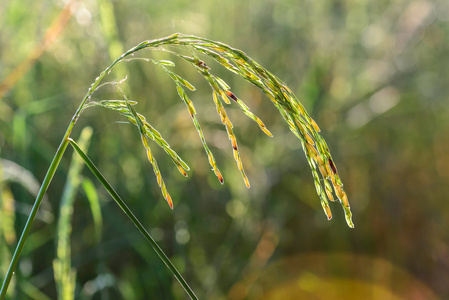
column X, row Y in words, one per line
column 50, row 173
column 133, row 218
column 47, row 180
column 65, row 275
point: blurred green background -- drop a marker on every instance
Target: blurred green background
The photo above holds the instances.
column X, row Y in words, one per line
column 373, row 74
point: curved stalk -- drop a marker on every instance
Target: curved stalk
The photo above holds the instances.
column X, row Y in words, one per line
column 50, row 173
column 133, row 219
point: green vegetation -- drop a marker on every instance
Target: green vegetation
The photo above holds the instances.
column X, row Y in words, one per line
column 234, row 60
column 372, row 75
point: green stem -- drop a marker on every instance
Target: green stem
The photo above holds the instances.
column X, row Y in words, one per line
column 133, row 218
column 50, row 173
column 47, row 180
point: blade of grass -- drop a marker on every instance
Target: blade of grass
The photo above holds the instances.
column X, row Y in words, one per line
column 33, row 292
column 65, row 275
column 133, row 219
column 92, row 196
column 7, row 218
column 91, row 193
column 7, row 215
column 48, row 177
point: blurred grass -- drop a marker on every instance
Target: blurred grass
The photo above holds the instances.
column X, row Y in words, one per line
column 65, row 275
column 372, row 74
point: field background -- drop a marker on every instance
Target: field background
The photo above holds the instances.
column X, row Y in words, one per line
column 373, row 74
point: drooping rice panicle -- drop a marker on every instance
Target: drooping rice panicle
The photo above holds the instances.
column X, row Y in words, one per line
column 300, row 123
